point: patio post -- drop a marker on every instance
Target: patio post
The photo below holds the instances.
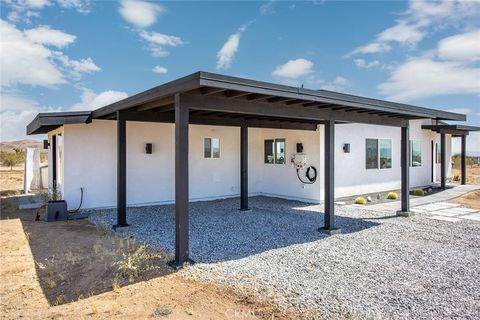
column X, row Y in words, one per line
column 121, row 172
column 405, row 167
column 181, row 184
column 244, row 167
column 464, row 159
column 443, row 164
column 329, row 186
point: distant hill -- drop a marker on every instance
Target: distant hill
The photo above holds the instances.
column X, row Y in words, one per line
column 9, row 146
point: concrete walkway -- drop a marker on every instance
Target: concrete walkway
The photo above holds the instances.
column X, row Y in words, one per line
column 448, row 194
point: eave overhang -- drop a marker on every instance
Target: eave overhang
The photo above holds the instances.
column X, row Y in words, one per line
column 46, row 122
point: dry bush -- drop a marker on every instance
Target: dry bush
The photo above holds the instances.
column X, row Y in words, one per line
column 133, row 263
column 161, row 312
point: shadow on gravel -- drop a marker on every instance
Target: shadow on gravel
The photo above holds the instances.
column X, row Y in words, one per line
column 220, row 232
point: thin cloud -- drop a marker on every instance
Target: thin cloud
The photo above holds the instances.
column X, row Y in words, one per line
column 157, row 41
column 226, row 54
column 432, row 78
column 361, row 63
column 421, row 18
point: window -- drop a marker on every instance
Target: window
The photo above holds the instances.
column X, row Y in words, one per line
column 415, row 153
column 372, row 153
column 378, row 153
column 211, row 148
column 275, row 151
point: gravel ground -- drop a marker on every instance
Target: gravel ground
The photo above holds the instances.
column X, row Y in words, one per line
column 380, row 267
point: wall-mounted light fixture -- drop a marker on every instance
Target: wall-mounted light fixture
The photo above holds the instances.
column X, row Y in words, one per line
column 148, row 148
column 346, row 147
column 46, row 144
column 299, row 147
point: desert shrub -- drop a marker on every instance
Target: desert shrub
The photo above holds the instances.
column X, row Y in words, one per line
column 104, row 228
column 419, row 192
column 161, row 312
column 392, row 196
column 456, row 178
column 51, row 194
column 360, row 200
column 133, row 263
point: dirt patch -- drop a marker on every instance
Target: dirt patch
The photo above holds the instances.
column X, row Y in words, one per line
column 11, row 181
column 473, row 175
column 471, row 199
column 56, row 270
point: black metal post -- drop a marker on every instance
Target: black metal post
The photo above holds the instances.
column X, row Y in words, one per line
column 329, row 187
column 121, row 172
column 244, row 167
column 433, row 162
column 181, row 185
column 405, row 167
column 54, row 162
column 464, row 159
column 443, row 164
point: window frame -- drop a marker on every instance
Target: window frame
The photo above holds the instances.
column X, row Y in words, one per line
column 378, row 167
column 211, row 148
column 274, row 152
column 411, row 152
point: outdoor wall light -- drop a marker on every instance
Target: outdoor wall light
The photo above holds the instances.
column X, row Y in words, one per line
column 346, row 147
column 45, row 144
column 148, row 148
column 299, row 147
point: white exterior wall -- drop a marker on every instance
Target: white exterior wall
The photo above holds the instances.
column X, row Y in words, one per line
column 351, row 174
column 281, row 179
column 90, row 162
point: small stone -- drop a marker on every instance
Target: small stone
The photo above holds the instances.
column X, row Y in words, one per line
column 379, row 196
column 369, row 199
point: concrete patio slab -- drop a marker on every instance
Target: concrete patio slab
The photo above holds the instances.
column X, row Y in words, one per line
column 442, row 218
column 444, row 213
column 473, row 216
column 437, row 201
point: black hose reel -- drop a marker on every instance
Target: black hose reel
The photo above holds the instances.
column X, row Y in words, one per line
column 310, row 177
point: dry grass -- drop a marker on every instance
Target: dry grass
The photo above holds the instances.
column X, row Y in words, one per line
column 473, row 175
column 71, row 268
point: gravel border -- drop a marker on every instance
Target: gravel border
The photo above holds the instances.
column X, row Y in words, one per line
column 381, row 266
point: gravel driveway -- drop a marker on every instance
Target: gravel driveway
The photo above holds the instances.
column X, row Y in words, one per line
column 380, row 267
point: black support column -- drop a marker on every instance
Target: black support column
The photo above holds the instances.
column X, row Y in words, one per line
column 181, row 184
column 244, row 167
column 121, row 172
column 405, row 167
column 443, row 165
column 464, row 159
column 329, row 187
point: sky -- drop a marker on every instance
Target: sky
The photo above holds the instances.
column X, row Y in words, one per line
column 65, row 55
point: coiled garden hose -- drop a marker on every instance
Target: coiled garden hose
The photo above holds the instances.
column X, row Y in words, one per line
column 311, row 179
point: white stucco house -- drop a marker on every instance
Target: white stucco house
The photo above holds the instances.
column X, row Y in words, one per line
column 209, row 136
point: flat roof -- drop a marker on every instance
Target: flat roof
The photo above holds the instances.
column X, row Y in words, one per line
column 161, row 99
column 46, row 122
column 455, row 129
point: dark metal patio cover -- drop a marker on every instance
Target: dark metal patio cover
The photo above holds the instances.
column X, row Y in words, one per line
column 225, row 99
column 454, row 129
